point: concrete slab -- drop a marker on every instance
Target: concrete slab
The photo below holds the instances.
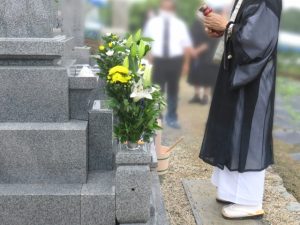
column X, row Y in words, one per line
column 289, row 136
column 295, row 156
column 202, row 197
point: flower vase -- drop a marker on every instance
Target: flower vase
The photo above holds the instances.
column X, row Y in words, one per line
column 131, row 146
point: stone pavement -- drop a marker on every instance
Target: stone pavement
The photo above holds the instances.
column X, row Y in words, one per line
column 287, row 121
column 287, row 127
column 202, row 197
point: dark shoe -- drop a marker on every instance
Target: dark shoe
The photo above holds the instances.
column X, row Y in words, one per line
column 195, row 100
column 174, row 124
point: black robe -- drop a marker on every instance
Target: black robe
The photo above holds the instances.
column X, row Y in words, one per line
column 203, row 71
column 239, row 128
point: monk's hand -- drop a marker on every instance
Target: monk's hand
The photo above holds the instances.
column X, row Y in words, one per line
column 213, row 34
column 215, row 22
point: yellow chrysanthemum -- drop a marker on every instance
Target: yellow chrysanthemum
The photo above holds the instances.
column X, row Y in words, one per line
column 119, row 69
column 110, row 44
column 101, row 48
column 117, row 77
column 119, row 74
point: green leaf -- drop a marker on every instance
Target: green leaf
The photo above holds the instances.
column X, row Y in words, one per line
column 134, row 50
column 147, row 39
column 126, row 62
column 129, row 41
column 120, row 49
column 138, row 35
column 142, row 49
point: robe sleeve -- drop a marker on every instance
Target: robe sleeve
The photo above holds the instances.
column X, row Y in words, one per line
column 254, row 40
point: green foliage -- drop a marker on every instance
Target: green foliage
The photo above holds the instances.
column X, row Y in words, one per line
column 136, row 104
column 288, row 64
column 290, row 20
column 289, row 89
column 185, row 9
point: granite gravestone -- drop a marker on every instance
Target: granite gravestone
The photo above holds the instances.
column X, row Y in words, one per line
column 26, row 18
column 73, row 20
column 44, row 163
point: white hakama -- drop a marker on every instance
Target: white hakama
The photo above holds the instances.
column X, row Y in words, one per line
column 239, row 188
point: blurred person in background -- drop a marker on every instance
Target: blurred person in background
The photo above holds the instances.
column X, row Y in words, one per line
column 171, row 44
column 203, row 70
column 238, row 139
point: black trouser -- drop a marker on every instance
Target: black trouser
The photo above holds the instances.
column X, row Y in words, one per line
column 166, row 74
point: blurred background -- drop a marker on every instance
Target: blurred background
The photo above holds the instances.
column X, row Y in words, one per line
column 123, row 16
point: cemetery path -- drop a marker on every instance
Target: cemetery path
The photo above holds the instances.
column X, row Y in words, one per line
column 281, row 207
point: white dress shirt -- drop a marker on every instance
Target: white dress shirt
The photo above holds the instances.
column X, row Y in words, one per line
column 179, row 37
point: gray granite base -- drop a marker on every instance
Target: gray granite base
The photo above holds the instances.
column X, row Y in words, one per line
column 34, row 94
column 60, row 204
column 158, row 212
column 98, row 199
column 43, row 152
column 133, row 192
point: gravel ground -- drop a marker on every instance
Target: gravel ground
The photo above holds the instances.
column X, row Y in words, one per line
column 280, row 206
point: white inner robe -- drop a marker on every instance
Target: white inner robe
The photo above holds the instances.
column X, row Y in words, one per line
column 240, row 188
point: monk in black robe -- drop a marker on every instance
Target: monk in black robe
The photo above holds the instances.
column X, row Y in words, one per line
column 238, row 137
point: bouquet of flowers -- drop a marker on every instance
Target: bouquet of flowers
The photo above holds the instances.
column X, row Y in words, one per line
column 136, row 103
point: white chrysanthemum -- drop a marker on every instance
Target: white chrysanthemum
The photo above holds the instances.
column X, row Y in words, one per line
column 110, row 53
column 108, row 34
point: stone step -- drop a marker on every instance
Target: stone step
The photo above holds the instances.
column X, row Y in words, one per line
column 43, row 152
column 60, row 204
column 202, row 197
column 34, row 94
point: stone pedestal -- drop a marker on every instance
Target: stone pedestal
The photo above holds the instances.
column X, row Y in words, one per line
column 133, row 185
column 101, row 152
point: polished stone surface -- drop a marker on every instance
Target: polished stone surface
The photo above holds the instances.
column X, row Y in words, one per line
column 138, row 157
column 60, row 204
column 81, row 96
column 83, row 83
column 33, row 48
column 133, row 191
column 43, row 152
column 34, row 94
column 73, row 13
column 98, row 199
column 101, row 153
column 26, row 18
column 82, row 55
column 39, row 204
